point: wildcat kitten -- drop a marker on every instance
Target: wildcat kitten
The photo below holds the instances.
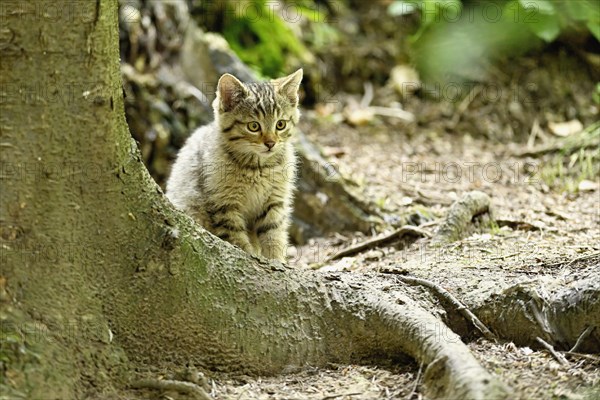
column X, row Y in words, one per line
column 235, row 176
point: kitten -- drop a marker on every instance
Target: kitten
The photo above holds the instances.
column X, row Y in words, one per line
column 235, row 176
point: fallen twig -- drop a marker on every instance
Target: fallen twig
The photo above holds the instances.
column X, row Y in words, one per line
column 581, row 338
column 516, row 224
column 564, row 145
column 178, row 386
column 393, row 113
column 584, row 257
column 505, row 256
column 547, row 148
column 418, row 195
column 368, row 95
column 379, row 240
column 414, row 389
column 444, row 294
column 335, row 396
column 559, row 357
column 365, row 104
column 574, row 260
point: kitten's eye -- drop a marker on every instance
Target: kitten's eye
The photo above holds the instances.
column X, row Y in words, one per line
column 281, row 124
column 253, row 126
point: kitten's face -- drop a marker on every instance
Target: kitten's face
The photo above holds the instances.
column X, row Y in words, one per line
column 256, row 119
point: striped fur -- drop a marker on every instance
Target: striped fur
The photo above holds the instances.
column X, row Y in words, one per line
column 226, row 176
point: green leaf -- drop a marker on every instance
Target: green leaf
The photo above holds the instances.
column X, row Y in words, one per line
column 579, row 10
column 540, row 6
column 594, row 27
column 546, row 27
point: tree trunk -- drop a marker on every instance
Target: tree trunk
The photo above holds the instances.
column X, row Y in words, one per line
column 101, row 277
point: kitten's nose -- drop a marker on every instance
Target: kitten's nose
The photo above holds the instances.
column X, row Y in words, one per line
column 270, row 144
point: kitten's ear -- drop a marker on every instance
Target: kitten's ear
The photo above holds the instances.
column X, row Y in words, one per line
column 289, row 86
column 230, row 92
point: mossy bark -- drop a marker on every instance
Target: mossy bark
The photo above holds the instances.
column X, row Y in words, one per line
column 118, row 280
column 61, row 114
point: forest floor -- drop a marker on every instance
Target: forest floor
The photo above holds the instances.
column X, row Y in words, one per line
column 548, row 231
column 547, row 235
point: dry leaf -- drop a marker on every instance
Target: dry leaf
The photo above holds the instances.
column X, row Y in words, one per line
column 359, row 116
column 568, row 128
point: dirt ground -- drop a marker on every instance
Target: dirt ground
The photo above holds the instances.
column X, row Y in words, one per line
column 544, row 230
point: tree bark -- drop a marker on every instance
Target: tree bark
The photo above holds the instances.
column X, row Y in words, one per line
column 91, row 244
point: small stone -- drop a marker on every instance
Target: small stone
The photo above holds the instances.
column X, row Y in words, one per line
column 587, row 186
column 345, row 264
column 516, row 110
column 373, row 255
column 405, row 201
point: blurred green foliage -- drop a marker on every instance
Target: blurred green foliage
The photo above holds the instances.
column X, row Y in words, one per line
column 432, row 11
column 545, row 18
column 255, row 31
column 549, row 18
column 457, row 38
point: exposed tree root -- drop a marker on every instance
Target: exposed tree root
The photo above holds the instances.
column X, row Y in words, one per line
column 460, row 214
column 564, row 315
column 448, row 297
column 232, row 313
column 379, row 240
column 269, row 320
column 392, row 323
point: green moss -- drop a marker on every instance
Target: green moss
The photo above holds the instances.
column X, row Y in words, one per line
column 261, row 38
column 494, row 227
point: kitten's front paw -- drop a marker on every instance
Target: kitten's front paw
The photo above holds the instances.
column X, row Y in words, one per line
column 243, row 245
column 275, row 252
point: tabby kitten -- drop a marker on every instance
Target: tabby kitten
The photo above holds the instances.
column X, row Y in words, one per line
column 235, row 176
